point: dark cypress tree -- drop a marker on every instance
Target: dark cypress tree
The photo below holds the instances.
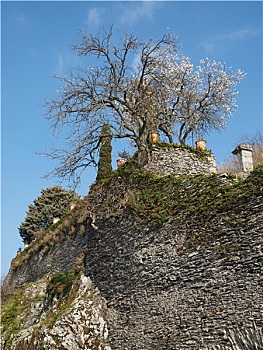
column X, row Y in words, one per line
column 104, row 165
column 53, row 202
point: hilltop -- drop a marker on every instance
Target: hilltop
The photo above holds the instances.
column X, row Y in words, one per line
column 143, row 262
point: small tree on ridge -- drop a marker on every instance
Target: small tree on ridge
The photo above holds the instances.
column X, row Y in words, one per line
column 52, row 203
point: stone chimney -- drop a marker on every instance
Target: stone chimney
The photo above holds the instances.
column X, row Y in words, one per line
column 244, row 154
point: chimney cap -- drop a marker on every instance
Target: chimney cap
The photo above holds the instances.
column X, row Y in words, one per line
column 242, row 147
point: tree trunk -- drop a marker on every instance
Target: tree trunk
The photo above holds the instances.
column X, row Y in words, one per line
column 167, row 133
column 143, row 155
column 143, row 147
column 143, row 143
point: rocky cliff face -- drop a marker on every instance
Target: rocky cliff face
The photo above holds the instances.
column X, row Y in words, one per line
column 175, row 263
column 59, row 311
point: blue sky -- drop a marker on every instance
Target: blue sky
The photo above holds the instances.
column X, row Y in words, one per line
column 35, row 43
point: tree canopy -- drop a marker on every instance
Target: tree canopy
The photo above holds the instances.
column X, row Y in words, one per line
column 136, row 88
column 53, row 202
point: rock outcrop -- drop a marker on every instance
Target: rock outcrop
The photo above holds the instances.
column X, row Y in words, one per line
column 51, row 317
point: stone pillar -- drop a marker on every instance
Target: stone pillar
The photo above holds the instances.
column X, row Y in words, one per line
column 244, row 154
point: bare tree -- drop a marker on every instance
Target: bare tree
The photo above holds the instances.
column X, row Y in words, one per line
column 136, row 88
column 229, row 166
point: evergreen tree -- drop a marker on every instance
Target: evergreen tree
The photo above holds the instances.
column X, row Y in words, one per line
column 104, row 165
column 53, row 202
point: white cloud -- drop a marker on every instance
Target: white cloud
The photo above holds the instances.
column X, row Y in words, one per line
column 20, row 19
column 135, row 11
column 239, row 34
column 235, row 35
column 66, row 61
column 94, row 16
column 60, row 64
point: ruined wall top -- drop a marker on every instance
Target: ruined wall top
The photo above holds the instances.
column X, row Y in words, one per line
column 178, row 161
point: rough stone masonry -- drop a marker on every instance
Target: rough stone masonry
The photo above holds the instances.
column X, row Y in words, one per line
column 180, row 162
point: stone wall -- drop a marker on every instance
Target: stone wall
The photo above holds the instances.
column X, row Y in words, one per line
column 179, row 161
column 160, row 295
column 161, row 298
